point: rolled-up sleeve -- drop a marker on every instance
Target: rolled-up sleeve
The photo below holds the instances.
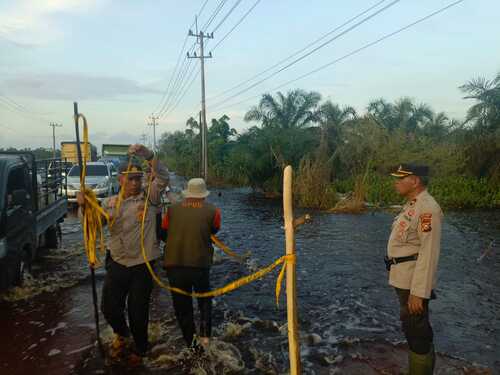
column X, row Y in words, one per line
column 429, row 233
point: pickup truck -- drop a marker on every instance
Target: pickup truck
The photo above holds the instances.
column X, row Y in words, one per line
column 33, row 203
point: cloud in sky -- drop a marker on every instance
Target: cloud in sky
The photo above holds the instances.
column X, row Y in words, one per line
column 28, row 22
column 73, row 86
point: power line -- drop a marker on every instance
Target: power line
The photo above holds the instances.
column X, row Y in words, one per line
column 12, row 108
column 176, row 89
column 368, row 45
column 295, row 53
column 202, row 7
column 176, row 83
column 237, row 24
column 357, row 24
column 167, row 91
column 191, row 80
column 18, row 107
column 173, row 73
column 214, row 14
column 227, row 15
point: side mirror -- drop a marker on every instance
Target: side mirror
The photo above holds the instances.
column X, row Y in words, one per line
column 20, row 197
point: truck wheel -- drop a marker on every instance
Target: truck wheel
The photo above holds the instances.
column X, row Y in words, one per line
column 51, row 237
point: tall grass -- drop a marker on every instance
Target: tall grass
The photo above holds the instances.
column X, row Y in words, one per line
column 312, row 187
column 450, row 192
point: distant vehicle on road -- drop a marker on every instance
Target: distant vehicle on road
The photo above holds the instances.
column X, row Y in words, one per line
column 115, row 151
column 69, row 152
column 115, row 161
column 101, row 177
column 32, row 205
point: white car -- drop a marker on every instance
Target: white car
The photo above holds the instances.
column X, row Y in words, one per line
column 101, row 177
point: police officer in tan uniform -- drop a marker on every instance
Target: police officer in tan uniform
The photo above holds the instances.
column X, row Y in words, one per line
column 412, row 259
column 128, row 281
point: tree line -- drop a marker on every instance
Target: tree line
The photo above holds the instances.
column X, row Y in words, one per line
column 331, row 147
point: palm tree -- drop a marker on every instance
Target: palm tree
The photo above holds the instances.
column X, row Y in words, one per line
column 437, row 126
column 403, row 114
column 486, row 112
column 332, row 119
column 220, row 129
column 192, row 126
column 381, row 112
column 295, row 110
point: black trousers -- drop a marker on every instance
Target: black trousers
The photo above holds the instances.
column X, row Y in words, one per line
column 189, row 279
column 132, row 285
column 417, row 328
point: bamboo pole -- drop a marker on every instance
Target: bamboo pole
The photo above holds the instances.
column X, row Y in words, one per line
column 291, row 300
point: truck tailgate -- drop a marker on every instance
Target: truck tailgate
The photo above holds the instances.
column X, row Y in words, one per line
column 50, row 215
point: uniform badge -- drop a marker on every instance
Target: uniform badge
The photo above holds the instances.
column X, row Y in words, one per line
column 426, row 222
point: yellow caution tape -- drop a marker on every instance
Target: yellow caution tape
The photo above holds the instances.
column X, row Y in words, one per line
column 227, row 250
column 225, row 289
column 92, row 212
column 93, row 215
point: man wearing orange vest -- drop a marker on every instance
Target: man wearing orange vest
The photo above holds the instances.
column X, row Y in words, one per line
column 188, row 256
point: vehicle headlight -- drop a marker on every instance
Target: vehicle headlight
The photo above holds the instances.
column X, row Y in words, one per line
column 3, row 248
column 102, row 185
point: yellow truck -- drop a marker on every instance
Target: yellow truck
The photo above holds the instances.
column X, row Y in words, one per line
column 70, row 154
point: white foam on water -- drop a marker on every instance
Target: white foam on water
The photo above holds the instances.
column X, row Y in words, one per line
column 59, row 326
column 34, row 286
column 232, row 330
column 54, row 352
column 264, row 361
column 80, row 349
column 225, row 356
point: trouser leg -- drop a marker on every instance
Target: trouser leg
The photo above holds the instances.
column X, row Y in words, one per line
column 138, row 306
column 417, row 328
column 179, row 277
column 114, row 294
column 202, row 284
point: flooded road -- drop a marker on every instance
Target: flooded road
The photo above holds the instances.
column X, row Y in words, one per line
column 348, row 314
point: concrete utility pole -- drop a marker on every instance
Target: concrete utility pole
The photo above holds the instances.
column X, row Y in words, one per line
column 154, row 124
column 54, row 126
column 202, row 164
column 203, row 127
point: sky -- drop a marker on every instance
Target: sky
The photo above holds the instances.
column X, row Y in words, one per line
column 117, row 58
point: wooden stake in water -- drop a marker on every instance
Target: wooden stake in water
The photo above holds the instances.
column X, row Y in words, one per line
column 291, row 295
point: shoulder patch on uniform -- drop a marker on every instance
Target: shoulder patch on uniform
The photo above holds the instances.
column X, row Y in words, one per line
column 426, row 222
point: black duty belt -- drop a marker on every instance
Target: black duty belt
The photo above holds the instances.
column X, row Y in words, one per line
column 390, row 261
